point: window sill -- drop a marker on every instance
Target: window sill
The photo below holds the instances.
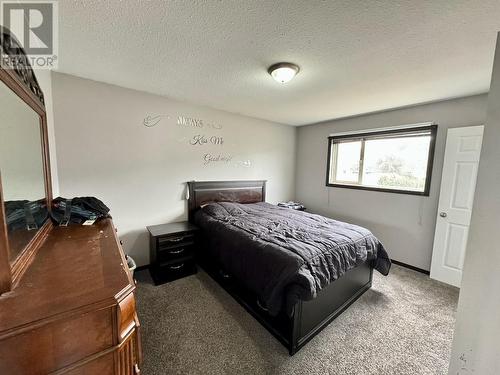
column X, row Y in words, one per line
column 383, row 190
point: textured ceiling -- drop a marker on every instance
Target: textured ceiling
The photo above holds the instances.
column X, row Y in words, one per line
column 355, row 56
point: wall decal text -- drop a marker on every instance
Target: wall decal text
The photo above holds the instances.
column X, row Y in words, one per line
column 153, row 120
column 210, row 159
column 187, row 122
column 200, row 139
column 196, row 123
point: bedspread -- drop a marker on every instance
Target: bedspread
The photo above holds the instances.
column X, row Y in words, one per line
column 283, row 255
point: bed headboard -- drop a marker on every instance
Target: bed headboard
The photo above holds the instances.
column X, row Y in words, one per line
column 202, row 192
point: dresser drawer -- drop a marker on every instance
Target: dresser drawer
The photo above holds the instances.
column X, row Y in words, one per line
column 57, row 344
column 175, row 253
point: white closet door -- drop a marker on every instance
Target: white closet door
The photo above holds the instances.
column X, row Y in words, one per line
column 458, row 183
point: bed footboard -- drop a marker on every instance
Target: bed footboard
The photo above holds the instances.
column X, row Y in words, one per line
column 310, row 317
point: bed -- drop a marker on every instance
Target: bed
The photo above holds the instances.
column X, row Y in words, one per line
column 293, row 271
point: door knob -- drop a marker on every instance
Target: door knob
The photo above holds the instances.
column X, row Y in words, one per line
column 443, row 214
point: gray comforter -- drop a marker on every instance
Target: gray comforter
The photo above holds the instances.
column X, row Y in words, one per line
column 284, row 255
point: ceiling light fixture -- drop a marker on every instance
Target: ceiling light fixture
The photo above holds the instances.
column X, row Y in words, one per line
column 283, row 72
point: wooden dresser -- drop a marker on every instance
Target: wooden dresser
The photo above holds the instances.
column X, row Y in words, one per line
column 73, row 311
column 67, row 301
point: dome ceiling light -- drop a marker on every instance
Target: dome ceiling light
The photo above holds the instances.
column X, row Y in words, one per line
column 283, row 72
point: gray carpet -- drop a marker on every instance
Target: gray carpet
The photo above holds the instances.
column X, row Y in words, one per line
column 403, row 325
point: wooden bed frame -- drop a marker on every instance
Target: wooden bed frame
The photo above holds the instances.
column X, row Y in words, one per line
column 309, row 317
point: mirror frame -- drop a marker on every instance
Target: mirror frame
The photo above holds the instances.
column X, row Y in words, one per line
column 22, row 81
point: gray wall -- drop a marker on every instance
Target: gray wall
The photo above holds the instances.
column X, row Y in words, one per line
column 476, row 347
column 104, row 150
column 404, row 223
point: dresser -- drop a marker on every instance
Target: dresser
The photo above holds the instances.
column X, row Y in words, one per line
column 67, row 302
column 73, row 310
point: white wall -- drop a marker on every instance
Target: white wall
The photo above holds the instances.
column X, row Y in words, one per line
column 476, row 347
column 404, row 223
column 104, row 150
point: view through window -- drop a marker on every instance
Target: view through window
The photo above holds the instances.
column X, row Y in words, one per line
column 397, row 160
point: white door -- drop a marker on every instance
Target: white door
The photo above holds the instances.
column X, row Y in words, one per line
column 458, row 183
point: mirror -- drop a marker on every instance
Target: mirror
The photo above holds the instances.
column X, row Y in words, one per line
column 21, row 171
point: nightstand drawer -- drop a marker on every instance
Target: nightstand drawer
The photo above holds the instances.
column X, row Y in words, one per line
column 165, row 243
column 173, row 271
column 173, row 253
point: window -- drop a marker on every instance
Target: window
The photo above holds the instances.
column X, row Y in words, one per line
column 397, row 160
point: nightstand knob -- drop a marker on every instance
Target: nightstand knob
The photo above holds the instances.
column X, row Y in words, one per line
column 175, row 252
column 176, row 239
column 176, row 267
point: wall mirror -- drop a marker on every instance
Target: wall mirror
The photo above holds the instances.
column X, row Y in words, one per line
column 22, row 173
column 25, row 188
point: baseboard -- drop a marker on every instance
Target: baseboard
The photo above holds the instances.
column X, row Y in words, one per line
column 142, row 268
column 410, row 267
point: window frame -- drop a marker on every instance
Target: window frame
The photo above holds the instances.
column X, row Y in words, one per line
column 363, row 136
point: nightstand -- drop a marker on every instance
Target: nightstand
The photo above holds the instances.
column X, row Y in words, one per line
column 172, row 250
